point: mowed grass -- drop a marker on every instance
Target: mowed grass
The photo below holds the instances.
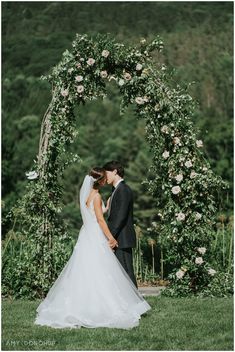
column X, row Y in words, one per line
column 172, row 324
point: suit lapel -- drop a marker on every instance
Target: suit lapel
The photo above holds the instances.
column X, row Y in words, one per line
column 113, row 196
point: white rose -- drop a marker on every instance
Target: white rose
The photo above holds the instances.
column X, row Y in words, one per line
column 201, row 250
column 78, row 65
column 198, row 216
column 199, row 143
column 105, row 53
column 121, row 82
column 180, row 273
column 179, row 177
column 165, row 129
column 138, row 67
column 188, row 163
column 31, row 175
column 64, row 92
column 90, row 61
column 180, row 216
column 176, row 189
column 79, row 78
column 211, row 272
column 199, row 260
column 165, row 154
column 80, row 89
column 139, row 100
column 176, row 140
column 193, row 174
column 104, row 74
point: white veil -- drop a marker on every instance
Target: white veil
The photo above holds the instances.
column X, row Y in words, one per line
column 85, row 190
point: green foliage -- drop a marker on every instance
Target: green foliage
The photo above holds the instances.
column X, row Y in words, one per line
column 33, row 257
column 188, row 208
column 221, row 285
column 199, row 48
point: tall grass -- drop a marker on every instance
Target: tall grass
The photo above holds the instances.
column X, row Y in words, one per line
column 222, row 245
column 145, row 273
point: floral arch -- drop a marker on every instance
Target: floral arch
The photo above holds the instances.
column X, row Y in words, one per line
column 184, row 184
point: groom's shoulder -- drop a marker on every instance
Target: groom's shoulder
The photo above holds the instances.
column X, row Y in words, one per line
column 125, row 190
column 126, row 186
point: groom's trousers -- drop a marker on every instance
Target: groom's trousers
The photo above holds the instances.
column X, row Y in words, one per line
column 124, row 255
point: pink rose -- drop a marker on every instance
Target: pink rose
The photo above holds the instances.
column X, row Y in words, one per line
column 64, row 92
column 199, row 260
column 127, row 76
column 175, row 189
column 179, row 177
column 180, row 216
column 80, row 89
column 104, row 74
column 78, row 78
column 90, row 61
column 139, row 100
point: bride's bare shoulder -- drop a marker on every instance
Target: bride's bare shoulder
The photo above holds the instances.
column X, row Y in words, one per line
column 97, row 197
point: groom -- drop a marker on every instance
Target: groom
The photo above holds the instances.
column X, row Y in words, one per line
column 120, row 216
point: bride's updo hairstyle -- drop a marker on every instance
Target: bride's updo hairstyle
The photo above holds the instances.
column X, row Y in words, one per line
column 100, row 176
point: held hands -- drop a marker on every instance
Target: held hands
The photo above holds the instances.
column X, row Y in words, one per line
column 113, row 243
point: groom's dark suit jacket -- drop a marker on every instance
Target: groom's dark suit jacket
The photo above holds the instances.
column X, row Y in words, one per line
column 120, row 220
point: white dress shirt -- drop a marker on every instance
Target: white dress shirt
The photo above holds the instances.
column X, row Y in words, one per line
column 118, row 182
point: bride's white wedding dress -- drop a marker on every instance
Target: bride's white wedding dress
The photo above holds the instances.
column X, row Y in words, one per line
column 93, row 289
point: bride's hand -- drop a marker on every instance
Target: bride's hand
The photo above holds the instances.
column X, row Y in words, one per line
column 108, row 203
column 107, row 206
column 113, row 243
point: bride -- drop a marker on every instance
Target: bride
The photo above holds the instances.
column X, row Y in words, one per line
column 93, row 289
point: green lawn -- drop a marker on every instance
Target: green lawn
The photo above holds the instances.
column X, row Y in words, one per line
column 172, row 324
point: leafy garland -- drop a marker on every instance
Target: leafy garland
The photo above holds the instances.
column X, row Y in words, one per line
column 184, row 183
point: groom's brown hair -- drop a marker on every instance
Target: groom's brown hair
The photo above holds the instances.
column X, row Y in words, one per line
column 114, row 165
